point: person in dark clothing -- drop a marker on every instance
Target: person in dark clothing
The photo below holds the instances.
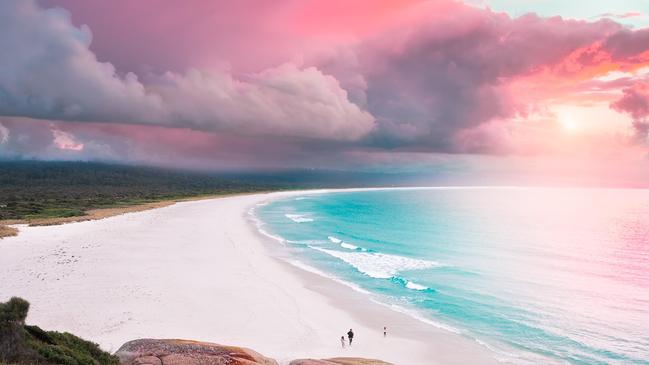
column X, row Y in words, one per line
column 350, row 335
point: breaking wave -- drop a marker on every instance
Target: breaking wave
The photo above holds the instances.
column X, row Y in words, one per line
column 379, row 265
column 298, row 218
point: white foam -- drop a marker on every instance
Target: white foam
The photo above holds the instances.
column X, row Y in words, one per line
column 313, row 270
column 415, row 286
column 416, row 315
column 348, row 246
column 334, row 239
column 510, row 357
column 309, row 242
column 272, row 236
column 259, row 224
column 378, row 265
column 298, row 218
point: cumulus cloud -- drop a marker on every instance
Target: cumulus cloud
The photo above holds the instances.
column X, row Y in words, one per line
column 25, row 140
column 49, row 72
column 284, row 100
column 163, row 146
column 628, row 43
column 635, row 102
column 440, row 76
column 428, row 79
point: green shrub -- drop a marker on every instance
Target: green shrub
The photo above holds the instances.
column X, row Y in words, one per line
column 13, row 311
column 21, row 344
column 66, row 349
column 12, row 320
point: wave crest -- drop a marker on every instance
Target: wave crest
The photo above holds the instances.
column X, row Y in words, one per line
column 348, row 246
column 410, row 284
column 298, row 218
column 379, row 265
column 334, row 239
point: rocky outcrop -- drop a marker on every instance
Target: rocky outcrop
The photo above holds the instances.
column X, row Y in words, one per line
column 339, row 361
column 183, row 352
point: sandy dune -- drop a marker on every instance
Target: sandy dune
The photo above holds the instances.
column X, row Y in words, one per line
column 200, row 270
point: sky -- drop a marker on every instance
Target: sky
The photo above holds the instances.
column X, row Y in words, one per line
column 515, row 91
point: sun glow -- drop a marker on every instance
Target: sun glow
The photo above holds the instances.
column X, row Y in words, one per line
column 568, row 123
column 593, row 118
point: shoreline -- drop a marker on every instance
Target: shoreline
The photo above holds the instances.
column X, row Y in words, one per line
column 10, row 227
column 200, row 270
column 367, row 306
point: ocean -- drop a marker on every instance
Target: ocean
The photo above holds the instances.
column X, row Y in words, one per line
column 537, row 275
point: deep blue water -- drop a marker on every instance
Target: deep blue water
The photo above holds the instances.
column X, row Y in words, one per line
column 540, row 276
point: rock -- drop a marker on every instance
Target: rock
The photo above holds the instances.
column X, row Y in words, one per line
column 339, row 361
column 357, row 361
column 184, row 352
column 147, row 360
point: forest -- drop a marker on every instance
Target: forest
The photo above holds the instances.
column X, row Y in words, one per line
column 42, row 189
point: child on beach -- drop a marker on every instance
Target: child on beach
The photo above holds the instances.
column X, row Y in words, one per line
column 385, row 331
column 342, row 341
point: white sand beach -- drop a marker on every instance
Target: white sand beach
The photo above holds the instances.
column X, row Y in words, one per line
column 200, row 270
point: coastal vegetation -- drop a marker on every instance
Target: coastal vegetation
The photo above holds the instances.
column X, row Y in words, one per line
column 42, row 193
column 22, row 344
column 25, row 344
column 31, row 190
column 6, row 231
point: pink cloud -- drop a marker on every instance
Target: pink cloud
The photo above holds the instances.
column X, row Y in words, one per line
column 216, row 34
column 635, row 101
column 163, row 146
column 628, row 43
column 284, row 100
column 69, row 83
column 66, row 141
column 200, row 34
column 630, row 14
column 447, row 68
column 291, row 80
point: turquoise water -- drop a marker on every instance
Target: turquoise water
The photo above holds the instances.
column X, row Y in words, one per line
column 539, row 276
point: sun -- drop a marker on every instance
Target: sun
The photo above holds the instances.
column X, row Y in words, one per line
column 569, row 124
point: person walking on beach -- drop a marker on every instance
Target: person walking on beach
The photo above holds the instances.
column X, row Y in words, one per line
column 342, row 341
column 350, row 335
column 385, row 331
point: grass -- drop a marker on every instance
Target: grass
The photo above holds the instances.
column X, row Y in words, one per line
column 6, row 231
column 66, row 349
column 100, row 213
column 56, row 213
